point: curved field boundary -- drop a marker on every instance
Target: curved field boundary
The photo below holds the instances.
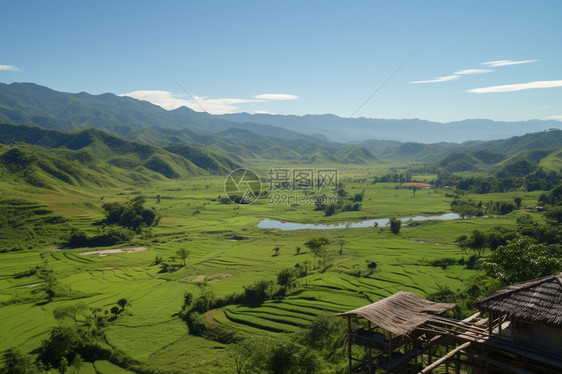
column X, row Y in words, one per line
column 260, row 323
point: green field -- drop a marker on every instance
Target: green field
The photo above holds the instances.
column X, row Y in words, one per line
column 227, row 252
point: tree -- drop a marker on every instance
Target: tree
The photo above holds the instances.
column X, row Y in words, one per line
column 520, row 260
column 517, row 201
column 132, row 214
column 395, row 225
column 77, row 363
column 122, row 303
column 205, row 302
column 62, row 342
column 341, row 244
column 466, row 210
column 183, row 254
column 240, row 354
column 372, row 266
column 463, row 242
column 330, row 210
column 71, row 312
column 290, row 357
column 554, row 215
column 92, row 330
column 298, row 250
column 187, row 300
column 17, row 362
column 276, row 250
column 287, row 279
column 259, row 291
column 317, row 245
column 63, row 365
column 306, row 265
column 115, row 310
column 477, row 242
column 51, row 282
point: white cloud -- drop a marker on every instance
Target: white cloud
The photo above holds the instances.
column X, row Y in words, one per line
column 162, row 98
column 517, row 87
column 473, row 71
column 170, row 101
column 558, row 118
column 8, row 68
column 276, row 97
column 440, row 79
column 497, row 63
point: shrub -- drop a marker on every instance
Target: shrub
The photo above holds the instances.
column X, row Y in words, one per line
column 196, row 323
column 258, row 292
column 132, row 215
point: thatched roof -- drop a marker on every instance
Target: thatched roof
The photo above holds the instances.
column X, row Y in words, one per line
column 537, row 300
column 400, row 313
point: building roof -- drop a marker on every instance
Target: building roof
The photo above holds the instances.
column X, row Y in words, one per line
column 537, row 300
column 400, row 313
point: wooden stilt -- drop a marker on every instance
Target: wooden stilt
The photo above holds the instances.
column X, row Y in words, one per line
column 349, row 345
column 370, row 351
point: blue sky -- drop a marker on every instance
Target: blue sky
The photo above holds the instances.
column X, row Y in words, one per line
column 297, row 57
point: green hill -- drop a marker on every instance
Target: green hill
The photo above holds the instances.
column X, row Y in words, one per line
column 354, row 155
column 37, row 155
column 553, row 161
column 526, row 162
column 489, row 157
column 543, row 140
column 460, row 161
column 205, row 159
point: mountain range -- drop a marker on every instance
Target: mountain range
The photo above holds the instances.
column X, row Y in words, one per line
column 405, row 130
column 140, row 120
column 125, row 133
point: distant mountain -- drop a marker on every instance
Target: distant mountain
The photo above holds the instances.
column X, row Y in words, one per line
column 229, row 139
column 404, row 130
column 486, row 152
column 33, row 104
column 141, row 121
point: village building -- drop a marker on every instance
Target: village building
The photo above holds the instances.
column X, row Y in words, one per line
column 518, row 329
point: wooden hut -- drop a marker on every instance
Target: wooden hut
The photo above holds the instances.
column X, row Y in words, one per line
column 528, row 313
column 391, row 337
column 405, row 333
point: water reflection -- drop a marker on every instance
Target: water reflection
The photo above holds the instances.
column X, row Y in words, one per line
column 267, row 223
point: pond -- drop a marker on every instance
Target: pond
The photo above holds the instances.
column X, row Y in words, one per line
column 267, row 223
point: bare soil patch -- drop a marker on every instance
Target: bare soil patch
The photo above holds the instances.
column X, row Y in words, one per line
column 105, row 252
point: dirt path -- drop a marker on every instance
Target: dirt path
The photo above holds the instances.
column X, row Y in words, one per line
column 105, row 252
column 209, row 316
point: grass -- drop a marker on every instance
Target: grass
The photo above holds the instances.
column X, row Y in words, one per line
column 106, row 367
column 227, row 252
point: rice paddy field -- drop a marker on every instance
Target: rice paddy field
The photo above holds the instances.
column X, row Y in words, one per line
column 228, row 252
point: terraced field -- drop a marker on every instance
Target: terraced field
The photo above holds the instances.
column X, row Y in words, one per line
column 227, row 253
